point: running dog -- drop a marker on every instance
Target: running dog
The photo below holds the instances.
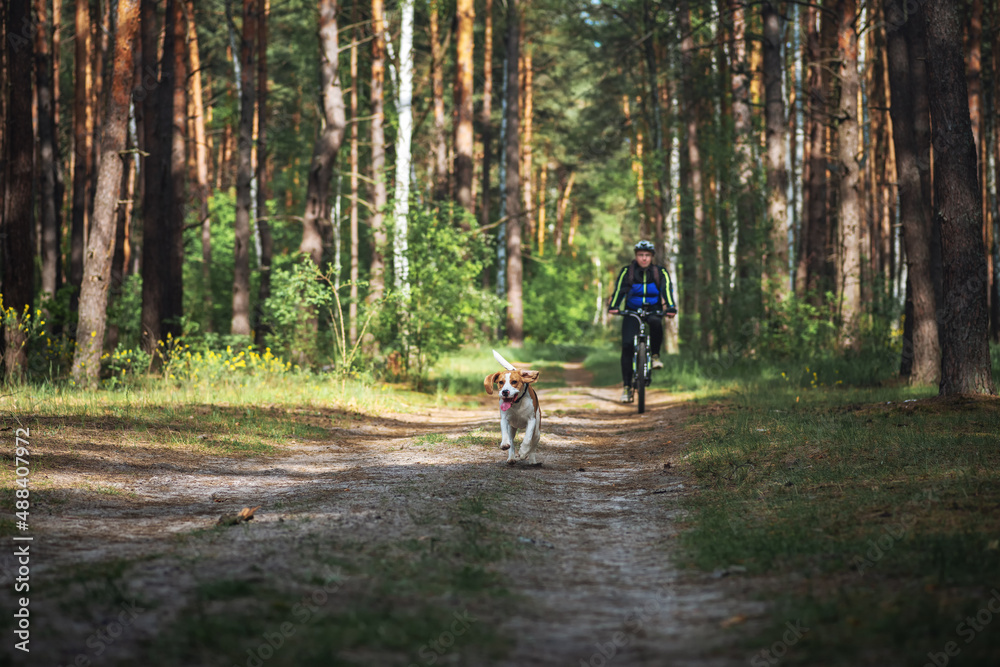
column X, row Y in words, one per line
column 518, row 409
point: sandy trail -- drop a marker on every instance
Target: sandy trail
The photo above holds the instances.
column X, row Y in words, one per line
column 598, row 520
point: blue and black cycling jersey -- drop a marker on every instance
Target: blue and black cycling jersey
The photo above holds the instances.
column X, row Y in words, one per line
column 638, row 288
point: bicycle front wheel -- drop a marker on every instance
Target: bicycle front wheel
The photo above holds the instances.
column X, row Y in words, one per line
column 639, row 378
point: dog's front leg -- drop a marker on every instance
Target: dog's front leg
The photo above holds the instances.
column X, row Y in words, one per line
column 530, row 441
column 507, row 437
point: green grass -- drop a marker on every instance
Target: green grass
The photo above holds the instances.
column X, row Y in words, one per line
column 877, row 509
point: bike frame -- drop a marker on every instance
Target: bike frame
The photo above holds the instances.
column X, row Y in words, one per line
column 641, row 377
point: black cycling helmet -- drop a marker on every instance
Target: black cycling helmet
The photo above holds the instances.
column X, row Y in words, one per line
column 645, row 245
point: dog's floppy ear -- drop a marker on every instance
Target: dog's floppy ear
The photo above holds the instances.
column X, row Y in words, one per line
column 490, row 381
column 529, row 376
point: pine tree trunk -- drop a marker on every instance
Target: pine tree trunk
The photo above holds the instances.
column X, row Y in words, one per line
column 48, row 156
column 747, row 252
column 355, row 191
column 376, row 284
column 240, row 325
column 527, row 137
column 694, row 218
column 201, row 166
column 157, row 119
column 564, row 196
column 101, row 241
column 965, row 353
column 515, row 305
column 543, row 173
column 814, row 259
column 849, row 200
column 82, row 121
column 263, row 188
column 487, row 113
column 925, row 353
column 437, row 91
column 777, row 141
column 16, row 243
column 463, row 101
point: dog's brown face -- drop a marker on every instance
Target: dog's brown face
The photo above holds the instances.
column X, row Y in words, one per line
column 511, row 382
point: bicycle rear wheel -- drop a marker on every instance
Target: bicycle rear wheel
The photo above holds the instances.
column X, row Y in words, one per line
column 639, row 377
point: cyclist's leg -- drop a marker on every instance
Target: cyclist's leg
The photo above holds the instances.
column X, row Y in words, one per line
column 655, row 335
column 630, row 327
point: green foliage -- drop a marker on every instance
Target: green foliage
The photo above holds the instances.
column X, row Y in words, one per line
column 447, row 305
column 125, row 312
column 562, row 300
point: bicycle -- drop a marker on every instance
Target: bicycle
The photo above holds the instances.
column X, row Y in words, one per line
column 640, row 355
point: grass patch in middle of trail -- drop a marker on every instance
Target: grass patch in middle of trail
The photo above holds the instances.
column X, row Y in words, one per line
column 885, row 502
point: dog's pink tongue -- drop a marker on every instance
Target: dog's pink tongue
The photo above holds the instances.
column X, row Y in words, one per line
column 505, row 405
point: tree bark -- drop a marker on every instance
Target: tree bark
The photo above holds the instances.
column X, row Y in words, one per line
column 48, row 157
column 240, row 325
column 777, row 141
column 527, row 138
column 437, row 92
column 82, row 122
column 355, row 192
column 178, row 169
column 263, row 188
column 925, row 354
column 101, row 242
column 965, row 353
column 849, row 200
column 692, row 214
column 747, row 255
column 514, row 273
column 156, row 119
column 564, row 196
column 201, row 166
column 815, row 219
column 487, row 112
column 404, row 112
column 376, row 282
column 17, row 225
column 463, row 101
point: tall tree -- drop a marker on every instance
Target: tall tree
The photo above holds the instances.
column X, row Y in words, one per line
column 155, row 119
column 849, row 199
column 17, row 228
column 747, row 256
column 101, row 240
column 201, row 164
column 437, row 93
column 463, row 101
column 48, row 156
column 379, row 238
column 514, row 272
column 965, row 351
column 355, row 82
column 914, row 216
column 487, row 111
column 82, row 124
column 404, row 112
column 527, row 136
column 777, row 141
column 263, row 189
column 692, row 216
column 814, row 215
column 244, row 172
column 330, row 138
column 177, row 33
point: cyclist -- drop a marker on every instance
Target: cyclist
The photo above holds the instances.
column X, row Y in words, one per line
column 642, row 285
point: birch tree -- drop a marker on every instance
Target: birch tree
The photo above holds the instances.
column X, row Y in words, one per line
column 404, row 113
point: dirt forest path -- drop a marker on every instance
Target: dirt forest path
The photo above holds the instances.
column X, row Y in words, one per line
column 592, row 579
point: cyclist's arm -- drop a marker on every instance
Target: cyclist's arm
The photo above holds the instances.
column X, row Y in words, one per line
column 667, row 291
column 620, row 292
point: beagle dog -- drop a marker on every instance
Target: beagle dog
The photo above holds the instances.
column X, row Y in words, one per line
column 518, row 409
